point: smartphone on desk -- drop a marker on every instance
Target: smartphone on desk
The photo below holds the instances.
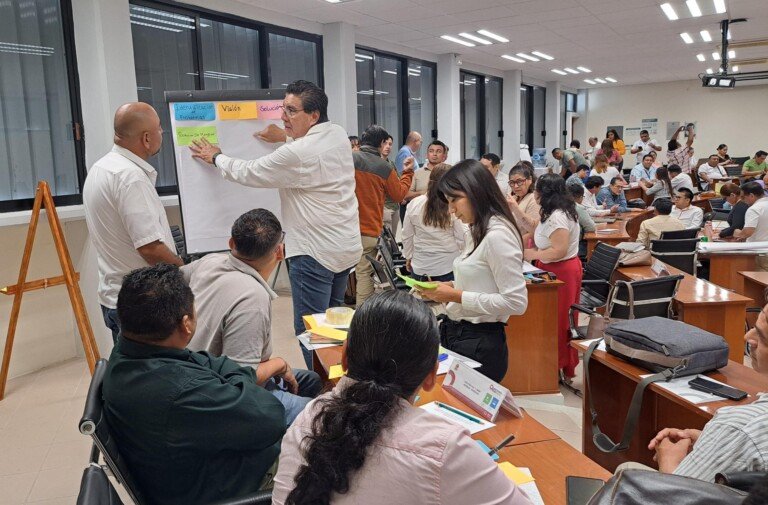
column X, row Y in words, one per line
column 708, row 386
column 579, row 490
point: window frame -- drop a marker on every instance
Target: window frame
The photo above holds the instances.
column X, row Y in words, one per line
column 78, row 130
column 482, row 133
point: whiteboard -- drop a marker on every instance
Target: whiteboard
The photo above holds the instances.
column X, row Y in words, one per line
column 209, row 203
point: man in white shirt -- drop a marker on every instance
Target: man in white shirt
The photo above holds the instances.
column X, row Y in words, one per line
column 710, row 172
column 756, row 220
column 679, row 179
column 315, row 176
column 125, row 217
column 589, row 154
column 643, row 171
column 493, row 163
column 690, row 215
column 644, row 146
column 593, row 185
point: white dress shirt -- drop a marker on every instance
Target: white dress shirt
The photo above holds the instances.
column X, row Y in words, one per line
column 123, row 213
column 593, row 208
column 558, row 220
column 757, row 218
column 645, row 148
column 714, row 173
column 608, row 175
column 315, row 177
column 682, row 181
column 691, row 217
column 430, row 249
column 491, row 278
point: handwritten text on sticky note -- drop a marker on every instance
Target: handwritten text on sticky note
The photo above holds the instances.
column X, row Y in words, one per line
column 186, row 134
column 194, row 111
column 237, row 110
column 271, row 110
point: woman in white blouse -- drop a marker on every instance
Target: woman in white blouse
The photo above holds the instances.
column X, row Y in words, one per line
column 603, row 170
column 489, row 286
column 557, row 248
column 432, row 236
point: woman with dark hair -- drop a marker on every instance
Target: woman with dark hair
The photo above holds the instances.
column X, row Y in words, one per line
column 364, row 442
column 610, row 153
column 660, row 187
column 557, row 249
column 615, row 139
column 489, row 286
column 432, row 237
column 521, row 201
column 722, row 155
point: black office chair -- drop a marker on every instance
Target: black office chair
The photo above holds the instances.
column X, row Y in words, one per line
column 596, row 280
column 681, row 253
column 679, row 234
column 386, row 256
column 389, row 239
column 383, row 276
column 715, row 203
column 95, row 488
column 94, row 424
column 631, row 300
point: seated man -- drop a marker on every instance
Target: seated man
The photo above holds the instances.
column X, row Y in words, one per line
column 734, row 440
column 710, row 172
column 192, row 428
column 578, row 177
column 234, row 308
column 651, row 229
column 679, row 179
column 690, row 215
column 643, row 171
column 587, row 225
column 755, row 167
column 755, row 221
column 613, row 196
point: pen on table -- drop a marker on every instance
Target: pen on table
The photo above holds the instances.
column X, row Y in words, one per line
column 501, row 445
column 459, row 412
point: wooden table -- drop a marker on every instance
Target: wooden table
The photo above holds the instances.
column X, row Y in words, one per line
column 702, row 200
column 724, row 268
column 755, row 284
column 627, row 227
column 613, row 382
column 702, row 304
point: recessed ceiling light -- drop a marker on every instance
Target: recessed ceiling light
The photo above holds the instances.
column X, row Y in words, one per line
column 720, row 6
column 589, row 81
column 735, row 68
column 458, row 41
column 542, row 55
column 600, row 81
column 693, row 7
column 731, row 53
column 715, row 56
column 709, row 70
column 475, row 38
column 363, row 56
column 559, row 71
column 527, row 56
column 701, row 57
column 570, row 70
column 513, row 58
column 610, row 79
column 686, row 38
column 669, row 11
column 492, row 35
column 584, row 69
column 705, row 36
column 393, row 72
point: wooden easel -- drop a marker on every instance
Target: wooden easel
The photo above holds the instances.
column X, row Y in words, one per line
column 43, row 198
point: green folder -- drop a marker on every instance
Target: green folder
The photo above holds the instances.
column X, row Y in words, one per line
column 413, row 283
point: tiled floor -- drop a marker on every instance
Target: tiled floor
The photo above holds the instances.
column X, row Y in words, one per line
column 42, row 453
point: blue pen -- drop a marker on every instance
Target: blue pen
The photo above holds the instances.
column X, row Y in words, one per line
column 442, row 357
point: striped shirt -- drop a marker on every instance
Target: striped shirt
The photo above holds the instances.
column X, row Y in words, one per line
column 736, row 439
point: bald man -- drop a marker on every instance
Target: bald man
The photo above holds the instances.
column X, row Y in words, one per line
column 126, row 220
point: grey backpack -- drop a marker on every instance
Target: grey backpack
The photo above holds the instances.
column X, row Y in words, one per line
column 670, row 348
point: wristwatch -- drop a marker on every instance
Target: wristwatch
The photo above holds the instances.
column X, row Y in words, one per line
column 213, row 158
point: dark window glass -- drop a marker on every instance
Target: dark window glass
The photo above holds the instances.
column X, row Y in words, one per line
column 421, row 102
column 493, row 103
column 230, row 56
column 291, row 59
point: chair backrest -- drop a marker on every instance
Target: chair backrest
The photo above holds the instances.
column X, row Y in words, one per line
column 95, row 488
column 390, row 241
column 720, row 215
column 601, row 266
column 679, row 234
column 386, row 256
column 94, row 424
column 178, row 239
column 715, row 203
column 681, row 253
column 650, row 297
column 381, row 272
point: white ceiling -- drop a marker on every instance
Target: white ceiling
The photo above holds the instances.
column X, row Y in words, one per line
column 629, row 40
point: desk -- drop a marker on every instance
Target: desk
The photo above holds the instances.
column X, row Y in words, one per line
column 724, row 268
column 703, row 304
column 613, row 382
column 627, row 225
column 755, row 284
column 701, row 200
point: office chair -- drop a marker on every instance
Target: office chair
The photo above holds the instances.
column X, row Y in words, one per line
column 383, row 275
column 733, row 171
column 631, row 300
column 94, row 424
column 715, row 203
column 681, row 253
column 95, row 488
column 178, row 239
column 387, row 258
column 716, row 215
column 596, row 281
column 389, row 238
column 739, row 160
column 679, row 234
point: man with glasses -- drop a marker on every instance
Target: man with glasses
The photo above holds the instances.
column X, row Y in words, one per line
column 234, row 308
column 315, row 176
column 613, row 197
column 690, row 215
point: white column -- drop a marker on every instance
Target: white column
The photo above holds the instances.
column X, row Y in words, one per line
column 340, row 76
column 580, row 132
column 552, row 120
column 449, row 105
column 511, row 117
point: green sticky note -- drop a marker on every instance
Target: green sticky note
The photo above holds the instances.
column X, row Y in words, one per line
column 410, row 282
column 186, row 134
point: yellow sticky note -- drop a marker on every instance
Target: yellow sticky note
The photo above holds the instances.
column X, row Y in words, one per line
column 237, row 110
column 310, row 321
column 514, row 474
column 335, row 372
column 186, row 134
column 328, row 332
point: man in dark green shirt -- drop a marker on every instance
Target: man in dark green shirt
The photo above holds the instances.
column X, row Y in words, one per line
column 191, row 427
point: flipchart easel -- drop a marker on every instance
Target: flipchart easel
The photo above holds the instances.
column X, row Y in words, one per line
column 70, row 278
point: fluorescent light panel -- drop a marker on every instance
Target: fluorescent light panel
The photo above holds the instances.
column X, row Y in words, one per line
column 720, row 6
column 601, row 81
column 570, row 70
column 735, row 68
column 705, row 36
column 669, row 11
column 527, row 56
column 584, row 69
column 513, row 58
column 458, row 41
column 686, row 38
column 475, row 38
column 493, row 36
column 701, row 57
column 693, row 8
column 542, row 55
column 731, row 53
column 589, row 81
column 715, row 56
column 610, row 79
column 559, row 71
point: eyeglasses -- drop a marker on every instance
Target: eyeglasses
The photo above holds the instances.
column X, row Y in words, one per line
column 517, row 182
column 290, row 111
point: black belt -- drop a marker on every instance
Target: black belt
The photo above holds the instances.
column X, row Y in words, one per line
column 480, row 326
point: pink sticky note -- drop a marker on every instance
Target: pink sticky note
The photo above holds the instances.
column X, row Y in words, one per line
column 271, row 110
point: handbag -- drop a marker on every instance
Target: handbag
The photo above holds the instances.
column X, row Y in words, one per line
column 644, row 487
column 635, row 259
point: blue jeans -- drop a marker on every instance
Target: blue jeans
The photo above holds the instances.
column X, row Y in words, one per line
column 112, row 322
column 309, row 387
column 314, row 289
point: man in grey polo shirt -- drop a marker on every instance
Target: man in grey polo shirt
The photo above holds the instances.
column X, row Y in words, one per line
column 234, row 308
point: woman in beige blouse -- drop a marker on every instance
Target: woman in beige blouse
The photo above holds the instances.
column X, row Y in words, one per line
column 522, row 203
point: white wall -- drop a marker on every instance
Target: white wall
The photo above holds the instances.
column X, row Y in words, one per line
column 731, row 116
